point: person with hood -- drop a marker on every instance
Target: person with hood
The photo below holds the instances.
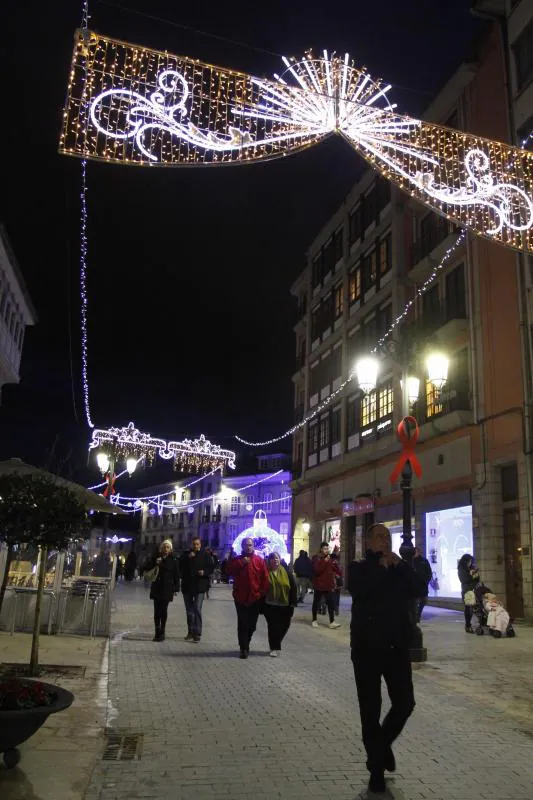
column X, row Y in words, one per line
column 164, row 587
column 303, row 570
column 250, row 586
column 469, row 578
column 196, row 566
column 382, row 588
column 325, row 572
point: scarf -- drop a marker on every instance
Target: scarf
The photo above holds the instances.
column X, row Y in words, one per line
column 279, row 587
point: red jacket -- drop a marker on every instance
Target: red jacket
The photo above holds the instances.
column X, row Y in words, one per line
column 324, row 573
column 250, row 581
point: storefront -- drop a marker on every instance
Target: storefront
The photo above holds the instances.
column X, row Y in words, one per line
column 449, row 534
column 332, row 533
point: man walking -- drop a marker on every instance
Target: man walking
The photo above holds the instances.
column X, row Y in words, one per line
column 303, row 569
column 196, row 567
column 325, row 571
column 250, row 585
column 422, row 567
column 381, row 586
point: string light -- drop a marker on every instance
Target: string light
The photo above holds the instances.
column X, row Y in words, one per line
column 189, row 454
column 146, row 107
column 327, row 402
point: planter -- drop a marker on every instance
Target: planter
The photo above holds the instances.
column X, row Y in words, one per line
column 16, row 726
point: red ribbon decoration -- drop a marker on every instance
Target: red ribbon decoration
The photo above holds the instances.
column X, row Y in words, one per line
column 106, row 490
column 408, row 438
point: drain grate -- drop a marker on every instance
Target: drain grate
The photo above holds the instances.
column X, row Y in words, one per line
column 122, row 746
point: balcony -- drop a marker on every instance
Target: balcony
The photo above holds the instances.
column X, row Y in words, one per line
column 299, row 412
column 431, row 247
column 447, row 321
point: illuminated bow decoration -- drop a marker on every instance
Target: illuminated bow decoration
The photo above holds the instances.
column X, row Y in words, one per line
column 109, row 483
column 408, row 434
column 134, row 105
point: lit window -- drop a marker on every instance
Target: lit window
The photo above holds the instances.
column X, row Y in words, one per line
column 368, row 409
column 354, row 285
column 235, row 504
column 338, row 301
column 433, row 400
column 285, row 503
column 324, row 432
column 267, row 501
column 386, row 400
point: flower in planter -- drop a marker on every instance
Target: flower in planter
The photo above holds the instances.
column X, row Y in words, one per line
column 17, row 694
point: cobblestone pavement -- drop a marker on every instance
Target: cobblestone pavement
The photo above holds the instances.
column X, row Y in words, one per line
column 216, row 728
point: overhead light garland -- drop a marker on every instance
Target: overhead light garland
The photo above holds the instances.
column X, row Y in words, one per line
column 195, row 455
column 135, row 105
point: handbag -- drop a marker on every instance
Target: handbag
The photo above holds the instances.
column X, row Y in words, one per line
column 151, row 574
column 470, row 598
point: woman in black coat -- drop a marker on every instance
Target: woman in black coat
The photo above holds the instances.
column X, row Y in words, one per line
column 164, row 587
column 469, row 577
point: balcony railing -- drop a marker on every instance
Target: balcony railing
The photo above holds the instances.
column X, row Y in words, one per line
column 436, row 317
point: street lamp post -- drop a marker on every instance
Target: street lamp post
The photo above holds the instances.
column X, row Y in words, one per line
column 437, row 371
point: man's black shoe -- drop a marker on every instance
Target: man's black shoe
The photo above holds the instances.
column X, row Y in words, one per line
column 196, row 638
column 243, row 654
column 189, row 637
column 376, row 783
column 389, row 760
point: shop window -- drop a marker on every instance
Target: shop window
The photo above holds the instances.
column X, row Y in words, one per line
column 386, row 400
column 339, row 301
column 433, row 400
column 354, row 285
column 448, row 537
column 368, row 409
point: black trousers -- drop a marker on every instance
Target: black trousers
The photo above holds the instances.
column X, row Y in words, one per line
column 246, row 622
column 160, row 613
column 395, row 666
column 329, row 597
column 421, row 602
column 469, row 613
column 278, row 621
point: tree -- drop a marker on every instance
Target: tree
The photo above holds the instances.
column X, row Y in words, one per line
column 34, row 510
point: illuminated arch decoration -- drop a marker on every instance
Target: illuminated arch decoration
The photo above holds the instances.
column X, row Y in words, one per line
column 266, row 540
column 189, row 455
column 137, row 106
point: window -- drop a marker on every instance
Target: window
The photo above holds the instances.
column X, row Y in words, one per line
column 315, row 323
column 386, row 400
column 317, row 271
column 369, row 208
column 324, row 432
column 249, row 501
column 431, row 304
column 383, row 194
column 329, row 257
column 233, row 530
column 312, row 444
column 385, row 256
column 433, row 400
column 384, row 320
column 523, row 54
column 336, row 363
column 285, row 503
column 353, row 415
column 354, row 285
column 326, row 313
column 314, row 378
column 456, row 294
column 336, row 425
column 284, row 529
column 338, row 295
column 370, row 331
column 355, row 224
column 235, row 505
column 338, row 244
column 369, row 269
column 267, row 502
column 449, row 534
column 368, row 409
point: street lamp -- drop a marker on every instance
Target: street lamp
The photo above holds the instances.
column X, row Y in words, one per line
column 437, row 367
column 306, row 527
column 102, row 459
column 131, row 465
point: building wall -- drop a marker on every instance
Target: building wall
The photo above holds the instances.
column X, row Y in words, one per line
column 16, row 313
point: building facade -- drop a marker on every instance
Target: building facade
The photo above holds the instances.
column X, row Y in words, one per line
column 368, row 261
column 219, row 508
column 16, row 313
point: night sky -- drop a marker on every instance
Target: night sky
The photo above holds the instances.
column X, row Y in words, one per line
column 190, row 315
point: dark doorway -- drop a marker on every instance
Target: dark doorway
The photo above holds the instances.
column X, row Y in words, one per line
column 513, row 562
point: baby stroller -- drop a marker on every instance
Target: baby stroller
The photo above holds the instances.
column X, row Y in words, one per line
column 491, row 614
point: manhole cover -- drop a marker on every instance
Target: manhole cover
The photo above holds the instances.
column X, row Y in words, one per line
column 16, row 670
column 122, row 746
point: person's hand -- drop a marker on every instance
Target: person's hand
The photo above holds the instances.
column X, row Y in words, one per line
column 200, row 572
column 192, row 554
column 158, row 561
column 246, row 560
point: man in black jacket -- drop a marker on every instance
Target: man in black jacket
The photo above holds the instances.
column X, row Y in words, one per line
column 422, row 567
column 381, row 586
column 196, row 567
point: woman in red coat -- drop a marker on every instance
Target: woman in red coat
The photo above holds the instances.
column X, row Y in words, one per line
column 250, row 585
column 325, row 571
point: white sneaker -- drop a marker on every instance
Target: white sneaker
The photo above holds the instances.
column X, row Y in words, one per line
column 334, row 625
column 314, row 623
column 274, row 654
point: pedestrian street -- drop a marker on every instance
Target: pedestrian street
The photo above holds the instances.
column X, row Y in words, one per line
column 208, row 725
